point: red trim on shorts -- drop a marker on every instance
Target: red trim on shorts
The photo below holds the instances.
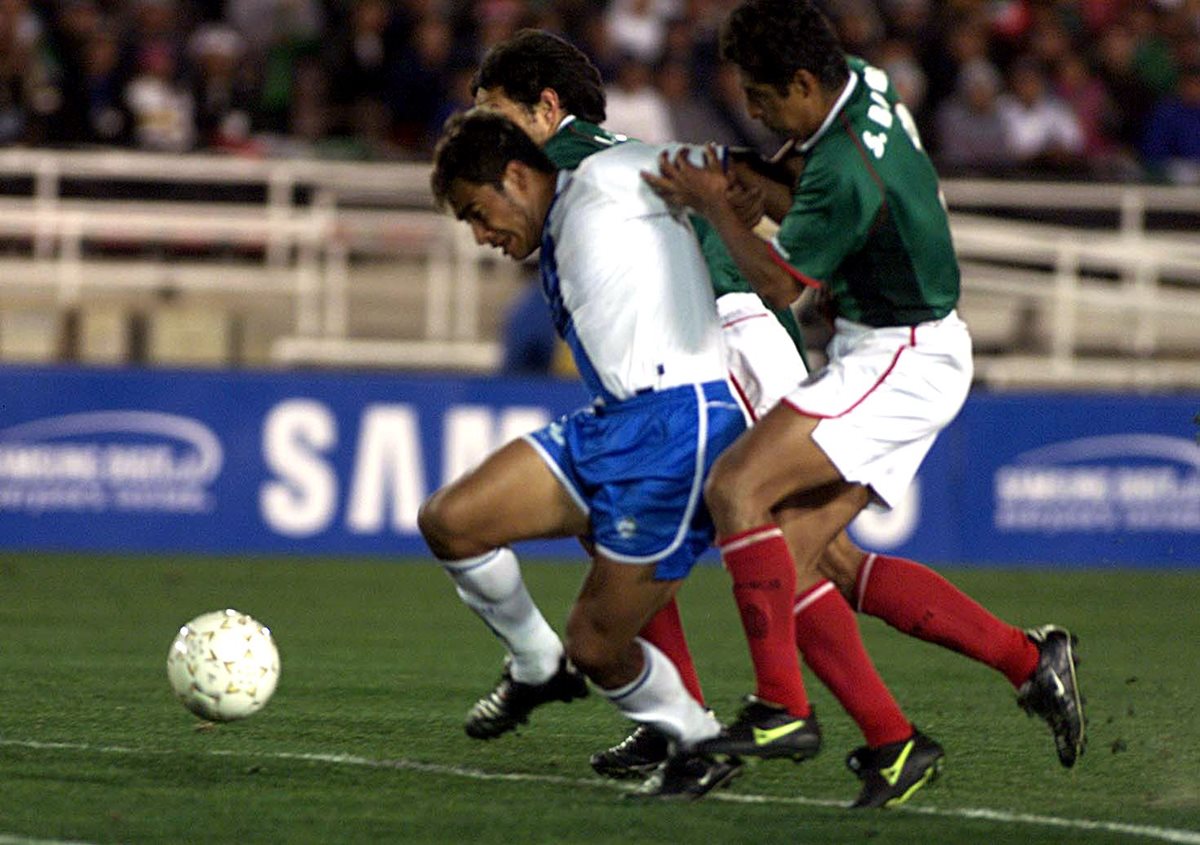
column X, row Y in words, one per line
column 744, row 319
column 807, row 281
column 912, row 341
column 741, row 395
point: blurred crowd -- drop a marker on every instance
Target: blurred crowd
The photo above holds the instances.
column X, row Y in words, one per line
column 1105, row 89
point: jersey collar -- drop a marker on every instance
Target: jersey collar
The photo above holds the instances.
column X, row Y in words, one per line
column 838, row 105
column 564, row 123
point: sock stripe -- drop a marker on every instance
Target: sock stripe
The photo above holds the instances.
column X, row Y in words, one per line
column 633, row 686
column 459, row 567
column 749, row 538
column 813, row 595
column 863, row 577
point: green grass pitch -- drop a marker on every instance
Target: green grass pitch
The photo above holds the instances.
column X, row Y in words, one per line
column 363, row 741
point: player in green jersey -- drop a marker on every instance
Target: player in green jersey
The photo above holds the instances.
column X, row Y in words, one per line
column 863, row 222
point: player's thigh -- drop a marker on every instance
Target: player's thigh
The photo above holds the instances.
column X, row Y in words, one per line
column 615, row 602
column 813, row 520
column 511, row 496
column 772, row 460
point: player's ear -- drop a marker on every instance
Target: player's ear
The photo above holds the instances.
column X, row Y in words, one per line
column 548, row 100
column 804, row 82
column 515, row 178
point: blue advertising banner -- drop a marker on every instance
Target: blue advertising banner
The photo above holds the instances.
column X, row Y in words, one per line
column 242, row 462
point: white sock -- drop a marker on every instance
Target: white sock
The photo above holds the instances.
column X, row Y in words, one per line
column 491, row 585
column 658, row 698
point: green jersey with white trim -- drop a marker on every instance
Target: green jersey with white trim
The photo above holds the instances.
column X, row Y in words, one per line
column 578, row 139
column 867, row 217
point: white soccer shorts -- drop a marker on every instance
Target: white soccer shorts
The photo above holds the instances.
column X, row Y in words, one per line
column 883, row 398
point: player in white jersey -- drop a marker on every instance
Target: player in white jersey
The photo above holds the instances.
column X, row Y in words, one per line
column 629, row 293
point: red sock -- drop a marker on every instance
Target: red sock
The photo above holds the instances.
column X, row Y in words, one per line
column 916, row 600
column 828, row 638
column 764, row 581
column 665, row 631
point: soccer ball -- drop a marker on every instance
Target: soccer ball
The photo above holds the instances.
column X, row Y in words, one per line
column 223, row 665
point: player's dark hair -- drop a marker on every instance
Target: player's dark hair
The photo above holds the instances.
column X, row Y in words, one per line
column 533, row 60
column 476, row 147
column 772, row 39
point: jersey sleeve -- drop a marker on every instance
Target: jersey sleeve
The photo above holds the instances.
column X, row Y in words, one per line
column 829, row 219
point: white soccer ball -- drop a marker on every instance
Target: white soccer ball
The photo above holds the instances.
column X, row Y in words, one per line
column 223, row 665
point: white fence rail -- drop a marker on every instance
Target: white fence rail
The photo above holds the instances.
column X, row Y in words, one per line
column 1116, row 306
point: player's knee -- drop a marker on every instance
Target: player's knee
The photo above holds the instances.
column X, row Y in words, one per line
column 723, row 491
column 840, row 562
column 442, row 526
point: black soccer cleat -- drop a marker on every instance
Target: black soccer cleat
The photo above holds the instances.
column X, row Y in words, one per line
column 511, row 702
column 1052, row 692
column 635, row 757
column 767, row 731
column 686, row 776
column 891, row 773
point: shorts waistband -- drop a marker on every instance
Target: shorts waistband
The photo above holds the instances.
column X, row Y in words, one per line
column 712, row 390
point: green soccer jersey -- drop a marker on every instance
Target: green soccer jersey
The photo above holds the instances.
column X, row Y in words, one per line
column 578, row 139
column 867, row 217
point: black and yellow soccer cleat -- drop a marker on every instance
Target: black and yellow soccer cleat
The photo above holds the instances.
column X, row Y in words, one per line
column 891, row 773
column 767, row 731
column 686, row 776
column 636, row 756
column 1052, row 692
column 511, row 702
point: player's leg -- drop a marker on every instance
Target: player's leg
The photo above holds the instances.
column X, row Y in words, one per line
column 614, row 604
column 763, row 467
column 644, row 749
column 897, row 759
column 468, row 525
column 917, row 601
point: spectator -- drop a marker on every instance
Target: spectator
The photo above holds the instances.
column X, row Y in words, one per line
column 638, row 27
column 1098, row 118
column 421, row 82
column 897, row 60
column 358, row 68
column 1117, row 70
column 162, row 109
column 1171, row 145
column 970, row 131
column 635, row 106
column 693, row 118
column 221, row 92
column 528, row 334
column 103, row 117
column 1040, row 130
column 282, row 38
column 27, row 97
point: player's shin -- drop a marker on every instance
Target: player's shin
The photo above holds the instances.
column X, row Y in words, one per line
column 656, row 697
column 916, row 600
column 491, row 585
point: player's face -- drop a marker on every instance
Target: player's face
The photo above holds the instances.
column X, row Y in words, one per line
column 791, row 113
column 536, row 121
column 499, row 219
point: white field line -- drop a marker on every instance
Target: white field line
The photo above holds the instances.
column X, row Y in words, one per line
column 1161, row 834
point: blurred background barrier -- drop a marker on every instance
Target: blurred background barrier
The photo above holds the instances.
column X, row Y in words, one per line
column 231, row 463
column 120, row 257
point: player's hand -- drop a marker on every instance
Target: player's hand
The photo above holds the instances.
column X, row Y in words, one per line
column 748, row 202
column 682, row 184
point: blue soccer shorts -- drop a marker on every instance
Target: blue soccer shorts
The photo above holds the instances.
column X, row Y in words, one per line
column 637, row 468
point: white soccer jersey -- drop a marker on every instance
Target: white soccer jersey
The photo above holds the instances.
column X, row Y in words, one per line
column 626, row 281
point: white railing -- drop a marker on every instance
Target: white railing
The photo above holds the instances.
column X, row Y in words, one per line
column 316, row 218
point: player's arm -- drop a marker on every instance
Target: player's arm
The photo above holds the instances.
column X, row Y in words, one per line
column 704, row 189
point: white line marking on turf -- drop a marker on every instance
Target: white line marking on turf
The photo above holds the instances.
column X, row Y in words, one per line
column 10, row 839
column 1163, row 834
